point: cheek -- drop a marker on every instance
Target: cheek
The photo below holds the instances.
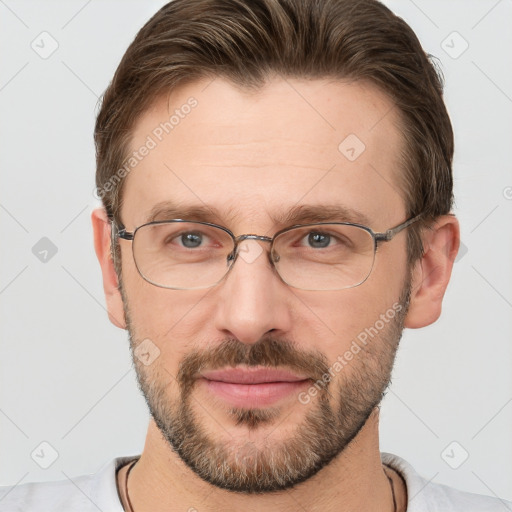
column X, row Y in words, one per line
column 144, row 298
column 165, row 316
column 340, row 317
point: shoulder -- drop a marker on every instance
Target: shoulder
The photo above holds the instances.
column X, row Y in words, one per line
column 83, row 493
column 426, row 496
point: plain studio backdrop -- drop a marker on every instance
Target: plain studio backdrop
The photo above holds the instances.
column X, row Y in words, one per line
column 66, row 374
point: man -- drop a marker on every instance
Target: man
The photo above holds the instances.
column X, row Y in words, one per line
column 276, row 181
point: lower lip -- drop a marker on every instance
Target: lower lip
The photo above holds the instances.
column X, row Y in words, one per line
column 254, row 395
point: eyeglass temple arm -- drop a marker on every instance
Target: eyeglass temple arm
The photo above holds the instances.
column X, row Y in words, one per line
column 390, row 233
column 117, row 231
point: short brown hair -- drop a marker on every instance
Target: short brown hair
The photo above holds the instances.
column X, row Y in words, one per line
column 247, row 41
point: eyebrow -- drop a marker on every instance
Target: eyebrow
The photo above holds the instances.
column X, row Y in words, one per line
column 298, row 214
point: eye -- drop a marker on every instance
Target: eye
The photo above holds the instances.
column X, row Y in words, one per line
column 324, row 240
column 318, row 240
column 191, row 239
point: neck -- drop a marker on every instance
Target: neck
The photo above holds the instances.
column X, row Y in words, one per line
column 355, row 480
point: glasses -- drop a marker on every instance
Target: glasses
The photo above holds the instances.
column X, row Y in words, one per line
column 185, row 255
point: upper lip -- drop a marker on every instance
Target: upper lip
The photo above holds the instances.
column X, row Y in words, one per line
column 256, row 375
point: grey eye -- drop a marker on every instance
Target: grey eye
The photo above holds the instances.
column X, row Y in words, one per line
column 319, row 240
column 191, row 240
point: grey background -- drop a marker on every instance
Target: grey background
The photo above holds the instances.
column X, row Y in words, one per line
column 66, row 376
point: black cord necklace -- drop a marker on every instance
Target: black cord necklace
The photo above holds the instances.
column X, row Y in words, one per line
column 130, row 508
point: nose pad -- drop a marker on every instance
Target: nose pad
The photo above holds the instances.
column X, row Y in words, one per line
column 247, row 251
column 274, row 257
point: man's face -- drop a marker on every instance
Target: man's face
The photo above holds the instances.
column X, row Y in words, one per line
column 252, row 158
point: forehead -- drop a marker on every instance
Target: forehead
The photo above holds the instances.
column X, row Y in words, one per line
column 259, row 154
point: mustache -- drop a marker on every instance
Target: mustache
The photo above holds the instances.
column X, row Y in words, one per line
column 270, row 352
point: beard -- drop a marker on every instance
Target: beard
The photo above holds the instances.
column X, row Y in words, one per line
column 334, row 417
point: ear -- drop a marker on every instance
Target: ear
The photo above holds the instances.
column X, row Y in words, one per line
column 432, row 272
column 101, row 228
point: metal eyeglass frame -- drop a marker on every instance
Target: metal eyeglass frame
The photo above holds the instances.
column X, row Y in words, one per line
column 384, row 236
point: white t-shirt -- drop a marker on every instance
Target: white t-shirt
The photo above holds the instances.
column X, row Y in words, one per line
column 98, row 492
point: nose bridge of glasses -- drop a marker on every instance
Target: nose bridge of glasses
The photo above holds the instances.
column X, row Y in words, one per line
column 247, row 251
column 262, row 238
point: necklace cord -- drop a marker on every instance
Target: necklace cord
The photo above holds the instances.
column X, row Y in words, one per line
column 129, row 503
column 130, row 507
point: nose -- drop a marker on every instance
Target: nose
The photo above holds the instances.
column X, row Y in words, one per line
column 252, row 299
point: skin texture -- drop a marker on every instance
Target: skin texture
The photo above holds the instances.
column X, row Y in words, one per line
column 253, row 156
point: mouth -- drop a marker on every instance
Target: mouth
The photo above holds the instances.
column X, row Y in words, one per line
column 253, row 387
